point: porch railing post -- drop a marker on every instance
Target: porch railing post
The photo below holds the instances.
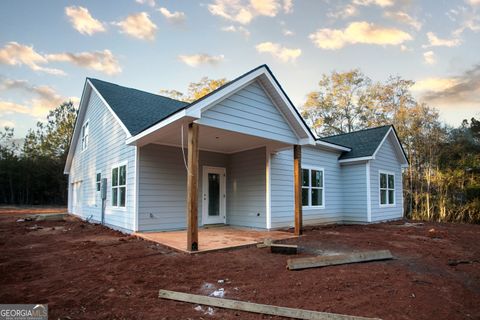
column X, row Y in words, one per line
column 192, row 188
column 297, row 176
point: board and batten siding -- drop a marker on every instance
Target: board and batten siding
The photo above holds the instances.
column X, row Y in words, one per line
column 354, row 192
column 386, row 160
column 250, row 111
column 163, row 186
column 106, row 148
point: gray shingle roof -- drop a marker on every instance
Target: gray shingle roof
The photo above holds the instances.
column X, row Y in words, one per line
column 137, row 109
column 363, row 143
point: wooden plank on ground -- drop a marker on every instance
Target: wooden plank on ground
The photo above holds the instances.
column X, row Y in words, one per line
column 283, row 248
column 323, row 261
column 254, row 307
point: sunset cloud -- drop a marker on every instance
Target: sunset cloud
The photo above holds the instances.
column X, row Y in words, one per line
column 150, row 3
column 138, row 26
column 456, row 91
column 14, row 54
column 358, row 32
column 196, row 60
column 435, row 41
column 237, row 29
column 381, row 3
column 243, row 12
column 103, row 61
column 82, row 20
column 404, row 17
column 279, row 52
column 173, row 17
column 40, row 99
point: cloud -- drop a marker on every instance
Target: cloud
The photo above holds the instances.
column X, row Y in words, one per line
column 151, row 3
column 82, row 20
column 287, row 32
column 42, row 98
column 404, row 17
column 174, row 17
column 195, row 60
column 138, row 26
column 14, row 53
column 358, row 32
column 279, row 52
column 103, row 61
column 344, row 12
column 468, row 19
column 474, row 2
column 239, row 29
column 434, row 41
column 243, row 12
column 452, row 91
column 288, row 6
column 429, row 57
column 381, row 3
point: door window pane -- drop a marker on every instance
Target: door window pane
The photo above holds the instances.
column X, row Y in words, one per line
column 213, row 194
column 317, row 197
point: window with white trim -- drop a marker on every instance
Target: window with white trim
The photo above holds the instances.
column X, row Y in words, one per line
column 98, row 181
column 312, row 187
column 119, row 186
column 85, row 133
column 387, row 189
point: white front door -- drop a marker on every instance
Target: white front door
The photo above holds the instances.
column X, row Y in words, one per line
column 214, row 195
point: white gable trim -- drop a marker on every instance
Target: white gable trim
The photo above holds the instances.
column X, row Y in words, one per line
column 85, row 99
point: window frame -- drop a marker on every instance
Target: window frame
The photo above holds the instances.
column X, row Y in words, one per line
column 117, row 166
column 98, row 184
column 310, row 206
column 386, row 205
column 85, row 137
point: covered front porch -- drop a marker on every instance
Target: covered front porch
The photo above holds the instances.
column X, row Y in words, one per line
column 215, row 238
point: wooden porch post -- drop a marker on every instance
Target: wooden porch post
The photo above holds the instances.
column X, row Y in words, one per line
column 297, row 177
column 192, row 188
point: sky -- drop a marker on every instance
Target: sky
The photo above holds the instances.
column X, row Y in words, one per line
column 48, row 48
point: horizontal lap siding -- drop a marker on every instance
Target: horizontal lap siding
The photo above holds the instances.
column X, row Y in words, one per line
column 281, row 186
column 250, row 111
column 333, row 186
column 386, row 159
column 106, row 148
column 163, row 185
column 246, row 187
column 354, row 192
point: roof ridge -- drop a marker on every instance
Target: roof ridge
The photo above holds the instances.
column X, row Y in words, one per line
column 143, row 91
column 361, row 130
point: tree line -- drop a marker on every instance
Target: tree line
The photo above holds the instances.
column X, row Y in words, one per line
column 442, row 182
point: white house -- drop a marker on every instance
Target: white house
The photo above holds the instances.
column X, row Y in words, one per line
column 242, row 156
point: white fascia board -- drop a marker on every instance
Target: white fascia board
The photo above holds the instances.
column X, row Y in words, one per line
column 397, row 145
column 73, row 140
column 174, row 117
column 352, row 160
column 331, row 145
column 111, row 110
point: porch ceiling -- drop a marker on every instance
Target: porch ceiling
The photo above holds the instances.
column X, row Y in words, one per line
column 216, row 140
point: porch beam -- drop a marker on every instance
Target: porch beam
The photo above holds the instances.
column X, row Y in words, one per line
column 192, row 188
column 297, row 176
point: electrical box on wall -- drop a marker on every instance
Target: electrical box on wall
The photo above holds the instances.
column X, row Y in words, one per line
column 103, row 189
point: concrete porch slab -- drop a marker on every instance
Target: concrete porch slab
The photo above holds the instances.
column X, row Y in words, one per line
column 215, row 238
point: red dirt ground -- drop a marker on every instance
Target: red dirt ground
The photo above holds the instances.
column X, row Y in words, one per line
column 85, row 271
